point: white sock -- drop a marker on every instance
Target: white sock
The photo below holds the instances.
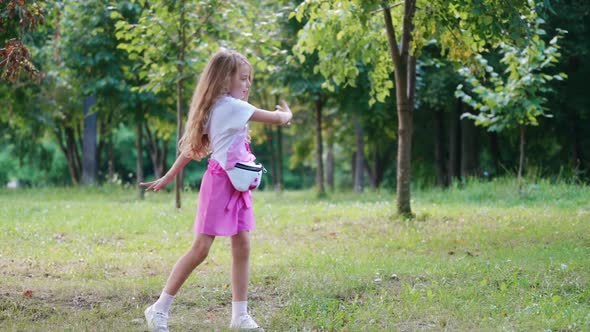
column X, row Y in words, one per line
column 238, row 308
column 164, row 302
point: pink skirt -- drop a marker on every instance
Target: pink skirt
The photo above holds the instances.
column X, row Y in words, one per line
column 222, row 210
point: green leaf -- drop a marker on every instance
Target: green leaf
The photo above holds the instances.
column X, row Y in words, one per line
column 116, row 15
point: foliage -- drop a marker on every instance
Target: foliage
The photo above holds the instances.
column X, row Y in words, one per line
column 43, row 165
column 208, row 25
column 517, row 97
column 460, row 28
column 15, row 56
column 446, row 33
column 436, row 81
column 357, row 36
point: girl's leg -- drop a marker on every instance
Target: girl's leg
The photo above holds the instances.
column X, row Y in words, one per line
column 240, row 272
column 240, row 275
column 156, row 315
column 188, row 262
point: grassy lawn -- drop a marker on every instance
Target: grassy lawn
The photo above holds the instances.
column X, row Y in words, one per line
column 480, row 258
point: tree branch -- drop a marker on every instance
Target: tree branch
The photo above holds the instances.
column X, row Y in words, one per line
column 58, row 135
column 387, row 8
column 151, row 138
column 391, row 38
column 408, row 27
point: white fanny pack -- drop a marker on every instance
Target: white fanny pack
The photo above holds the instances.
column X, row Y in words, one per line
column 246, row 176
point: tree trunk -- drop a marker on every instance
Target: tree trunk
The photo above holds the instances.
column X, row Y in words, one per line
column 495, row 151
column 521, row 158
column 104, row 128
column 153, row 149
column 178, row 183
column 468, row 148
column 270, row 137
column 102, row 137
column 280, row 185
column 162, row 162
column 454, row 138
column 353, row 168
column 330, row 162
column 77, row 146
column 319, row 175
column 111, row 160
column 64, row 144
column 269, row 132
column 72, row 169
column 405, row 87
column 89, row 143
column 577, row 151
column 371, row 174
column 439, row 150
column 403, row 159
column 73, row 160
column 139, row 160
column 100, row 148
column 157, row 155
column 359, row 162
column 382, row 156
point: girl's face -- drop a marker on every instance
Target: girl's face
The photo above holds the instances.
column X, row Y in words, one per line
column 239, row 87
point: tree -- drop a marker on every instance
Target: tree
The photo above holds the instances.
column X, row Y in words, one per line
column 22, row 122
column 568, row 126
column 370, row 127
column 437, row 80
column 306, row 85
column 15, row 56
column 516, row 98
column 166, row 24
column 187, row 33
column 86, row 57
column 356, row 34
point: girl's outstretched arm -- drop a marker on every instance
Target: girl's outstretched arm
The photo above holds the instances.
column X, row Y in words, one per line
column 160, row 183
column 282, row 115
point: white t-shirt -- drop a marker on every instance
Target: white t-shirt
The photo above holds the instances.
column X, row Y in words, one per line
column 228, row 131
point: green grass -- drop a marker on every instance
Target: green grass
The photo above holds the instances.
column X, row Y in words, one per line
column 480, row 258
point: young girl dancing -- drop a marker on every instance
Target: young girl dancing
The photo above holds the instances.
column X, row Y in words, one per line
column 217, row 124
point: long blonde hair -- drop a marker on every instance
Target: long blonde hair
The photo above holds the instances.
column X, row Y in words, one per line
column 213, row 83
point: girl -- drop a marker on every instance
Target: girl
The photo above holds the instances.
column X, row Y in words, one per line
column 217, row 124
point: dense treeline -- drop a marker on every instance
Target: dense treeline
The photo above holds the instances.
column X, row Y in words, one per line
column 117, row 78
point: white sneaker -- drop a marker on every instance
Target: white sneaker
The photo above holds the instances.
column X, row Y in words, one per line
column 245, row 322
column 157, row 321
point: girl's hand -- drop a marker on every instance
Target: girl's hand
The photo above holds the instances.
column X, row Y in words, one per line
column 286, row 110
column 281, row 115
column 156, row 185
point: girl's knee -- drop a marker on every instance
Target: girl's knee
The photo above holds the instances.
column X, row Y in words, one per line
column 201, row 249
